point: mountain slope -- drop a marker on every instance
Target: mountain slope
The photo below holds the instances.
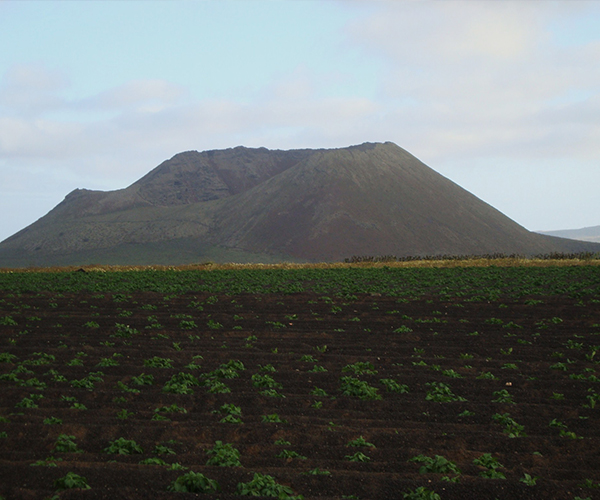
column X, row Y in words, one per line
column 260, row 205
column 585, row 234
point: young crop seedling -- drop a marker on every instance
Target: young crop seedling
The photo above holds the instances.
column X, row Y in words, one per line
column 491, row 466
column 290, row 454
column 122, row 446
column 273, row 418
column 421, row 493
column 71, row 481
column 194, row 482
column 47, row 462
column 317, row 472
column 360, row 441
column 528, row 480
column 158, row 362
column 359, row 456
column 351, row 386
column 502, row 396
column 66, row 444
column 223, row 455
column 161, row 449
column 264, row 381
column 53, row 421
column 266, row 486
column 435, row 465
column 441, row 393
column 511, row 428
column 272, row 393
column 360, row 368
column 181, row 383
column 216, row 386
column 153, row 461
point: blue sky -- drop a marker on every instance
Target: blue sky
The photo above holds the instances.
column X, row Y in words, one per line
column 502, row 97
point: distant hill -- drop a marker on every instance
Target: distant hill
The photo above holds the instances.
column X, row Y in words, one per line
column 585, row 234
column 258, row 205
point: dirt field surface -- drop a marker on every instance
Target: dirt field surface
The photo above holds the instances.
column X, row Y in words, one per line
column 362, row 396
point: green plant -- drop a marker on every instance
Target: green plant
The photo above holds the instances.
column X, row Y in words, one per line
column 512, row 428
column 47, row 462
column 161, row 449
column 181, row 383
column 106, row 362
column 66, row 444
column 392, row 386
column 124, row 414
column 174, row 408
column 214, row 325
column 529, row 480
column 143, row 379
column 436, row 465
column 360, row 368
column 317, row 472
column 71, row 481
column 451, row 373
column 358, row 457
column 441, row 393
column 421, row 493
column 265, row 381
column 290, row 454
column 6, row 357
column 157, row 362
column 194, row 482
column 502, row 396
column 52, row 421
column 223, row 455
column 491, row 466
column 124, row 331
column 29, row 402
column 272, row 418
column 122, row 446
column 7, row 321
column 89, row 381
column 153, row 461
column 351, row 386
column 360, row 441
column 42, row 359
column 266, row 486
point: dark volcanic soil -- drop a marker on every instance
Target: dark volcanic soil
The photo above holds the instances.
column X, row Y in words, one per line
column 523, row 375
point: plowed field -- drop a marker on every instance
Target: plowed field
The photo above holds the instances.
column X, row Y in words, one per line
column 365, row 396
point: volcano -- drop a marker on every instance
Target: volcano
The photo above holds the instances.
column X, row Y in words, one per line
column 259, row 205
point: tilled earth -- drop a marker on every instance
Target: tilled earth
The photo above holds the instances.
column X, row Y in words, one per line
column 457, row 379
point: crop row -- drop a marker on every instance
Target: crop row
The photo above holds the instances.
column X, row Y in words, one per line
column 478, row 284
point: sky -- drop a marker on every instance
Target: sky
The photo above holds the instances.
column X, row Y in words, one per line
column 500, row 96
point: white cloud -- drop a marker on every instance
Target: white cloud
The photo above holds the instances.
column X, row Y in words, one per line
column 478, row 78
column 144, row 95
column 30, row 89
